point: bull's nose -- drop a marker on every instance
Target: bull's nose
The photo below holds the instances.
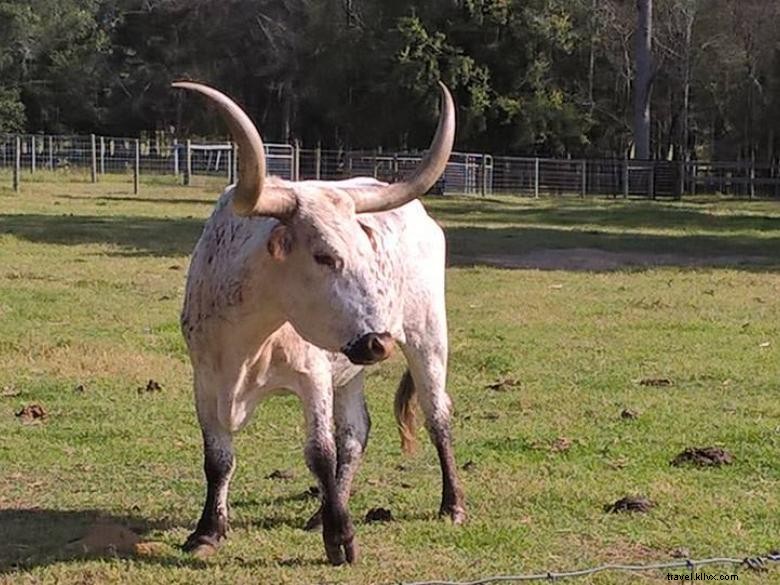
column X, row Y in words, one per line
column 369, row 348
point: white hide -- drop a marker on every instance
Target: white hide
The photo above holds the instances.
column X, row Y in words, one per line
column 239, row 302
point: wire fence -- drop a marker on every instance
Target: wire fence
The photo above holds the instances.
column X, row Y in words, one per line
column 163, row 158
column 759, row 564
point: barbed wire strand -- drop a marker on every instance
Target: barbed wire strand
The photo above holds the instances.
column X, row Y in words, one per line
column 753, row 563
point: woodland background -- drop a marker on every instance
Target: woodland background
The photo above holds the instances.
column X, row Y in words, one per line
column 531, row 77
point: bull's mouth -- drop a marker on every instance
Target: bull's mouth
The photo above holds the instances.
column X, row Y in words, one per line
column 370, row 348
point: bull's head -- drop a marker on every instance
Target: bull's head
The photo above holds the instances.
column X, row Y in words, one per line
column 329, row 280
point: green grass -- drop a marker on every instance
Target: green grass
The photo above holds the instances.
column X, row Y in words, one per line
column 91, row 279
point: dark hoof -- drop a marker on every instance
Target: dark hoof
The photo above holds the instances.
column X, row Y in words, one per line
column 314, row 523
column 457, row 514
column 201, row 545
column 338, row 534
column 338, row 554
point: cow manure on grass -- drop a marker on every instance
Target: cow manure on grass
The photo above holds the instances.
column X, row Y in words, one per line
column 655, row 382
column 561, row 445
column 9, row 392
column 681, row 553
column 630, row 504
column 283, row 474
column 379, row 515
column 468, row 466
column 152, row 386
column 31, row 413
column 503, row 385
column 628, row 414
column 703, row 457
column 79, row 389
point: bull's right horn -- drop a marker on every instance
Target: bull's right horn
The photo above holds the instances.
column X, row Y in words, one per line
column 427, row 173
column 248, row 197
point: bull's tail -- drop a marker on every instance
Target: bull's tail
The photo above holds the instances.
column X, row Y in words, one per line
column 405, row 414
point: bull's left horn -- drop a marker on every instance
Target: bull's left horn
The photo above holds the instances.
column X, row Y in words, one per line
column 431, row 168
column 248, row 197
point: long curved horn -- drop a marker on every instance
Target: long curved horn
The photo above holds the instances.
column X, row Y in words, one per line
column 247, row 198
column 424, row 177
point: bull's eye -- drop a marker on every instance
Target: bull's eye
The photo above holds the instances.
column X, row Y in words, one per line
column 326, row 260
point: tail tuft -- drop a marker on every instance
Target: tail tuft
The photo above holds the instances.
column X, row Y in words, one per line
column 405, row 414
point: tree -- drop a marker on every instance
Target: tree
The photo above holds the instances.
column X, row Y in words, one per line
column 644, row 78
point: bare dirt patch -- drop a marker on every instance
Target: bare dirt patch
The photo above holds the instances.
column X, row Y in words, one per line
column 594, row 259
column 106, row 538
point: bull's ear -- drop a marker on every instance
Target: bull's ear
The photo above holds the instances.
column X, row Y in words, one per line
column 370, row 234
column 280, row 242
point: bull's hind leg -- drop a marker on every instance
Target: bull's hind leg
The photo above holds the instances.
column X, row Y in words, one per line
column 352, row 427
column 338, row 534
column 426, row 355
column 218, row 464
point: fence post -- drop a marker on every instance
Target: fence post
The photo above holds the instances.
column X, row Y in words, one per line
column 102, row 156
column 17, row 162
column 693, row 179
column 188, row 163
column 296, row 161
column 229, row 164
column 175, row 157
column 376, row 165
column 51, row 153
column 32, row 154
column 651, row 180
column 625, row 179
column 483, row 186
column 318, row 162
column 137, row 166
column 234, row 152
column 584, row 186
column 536, row 178
column 93, row 143
column 752, row 177
column 680, row 189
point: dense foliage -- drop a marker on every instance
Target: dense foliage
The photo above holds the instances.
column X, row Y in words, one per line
column 551, row 77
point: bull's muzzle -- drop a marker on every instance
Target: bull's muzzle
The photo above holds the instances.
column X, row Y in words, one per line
column 369, row 348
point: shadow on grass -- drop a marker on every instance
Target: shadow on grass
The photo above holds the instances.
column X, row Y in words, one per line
column 509, row 246
column 36, row 537
column 605, row 214
column 135, row 235
column 138, row 199
column 593, row 250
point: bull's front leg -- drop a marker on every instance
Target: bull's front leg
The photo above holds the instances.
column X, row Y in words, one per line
column 338, row 533
column 352, row 427
column 218, row 465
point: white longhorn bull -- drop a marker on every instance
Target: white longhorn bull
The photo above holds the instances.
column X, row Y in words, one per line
column 295, row 286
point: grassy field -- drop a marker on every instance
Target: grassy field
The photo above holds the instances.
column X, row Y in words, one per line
column 91, row 279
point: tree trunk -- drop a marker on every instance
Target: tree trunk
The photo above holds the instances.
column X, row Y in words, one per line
column 644, row 78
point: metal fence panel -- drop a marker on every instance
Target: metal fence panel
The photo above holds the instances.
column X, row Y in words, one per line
column 91, row 157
